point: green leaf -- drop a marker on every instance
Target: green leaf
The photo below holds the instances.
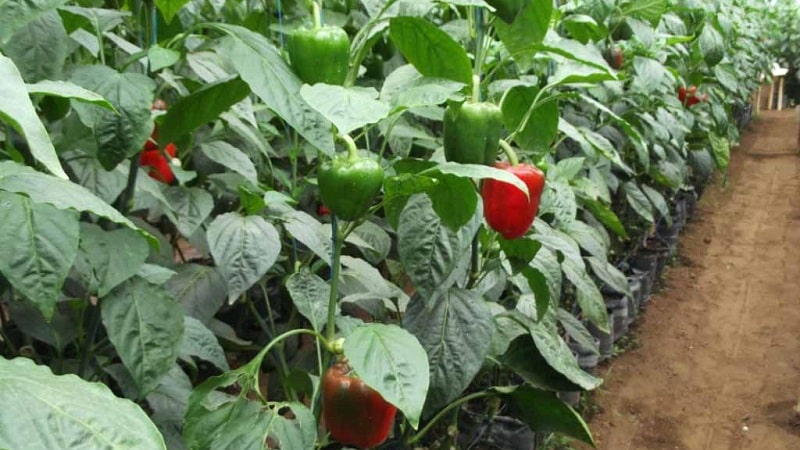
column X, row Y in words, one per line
column 711, row 44
column 587, row 294
column 102, row 183
column 261, row 66
column 456, row 332
column 169, row 8
column 649, row 10
column 188, row 208
column 103, row 249
column 309, row 232
column 477, row 171
column 721, row 150
column 577, row 331
column 528, row 29
column 43, row 411
column 550, row 415
column 390, row 360
column 38, row 244
column 638, row 201
column 605, row 215
column 541, row 128
column 244, row 248
column 651, row 75
column 454, row 200
column 524, row 359
column 429, row 250
column 310, row 295
column 398, row 189
column 298, row 433
column 225, row 422
column 161, row 57
column 520, row 252
column 119, row 135
column 557, row 354
column 200, row 107
column 59, row 332
column 16, row 14
column 199, row 341
column 347, row 108
column 17, row 110
column 659, row 202
column 432, row 51
column 200, row 290
column 587, row 237
column 145, row 324
column 538, row 285
column 609, row 274
column 65, row 89
column 231, row 157
column 40, row 48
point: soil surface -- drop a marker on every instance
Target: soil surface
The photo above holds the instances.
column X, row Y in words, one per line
column 718, row 366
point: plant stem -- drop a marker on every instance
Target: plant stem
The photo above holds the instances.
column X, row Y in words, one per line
column 336, row 263
column 94, row 324
column 316, row 14
column 476, row 88
column 456, row 403
column 352, row 149
column 510, row 153
column 126, row 198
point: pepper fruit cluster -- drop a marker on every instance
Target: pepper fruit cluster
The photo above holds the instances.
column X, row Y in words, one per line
column 354, row 413
column 153, row 158
column 689, row 97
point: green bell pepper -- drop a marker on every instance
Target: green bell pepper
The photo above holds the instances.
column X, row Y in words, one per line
column 348, row 185
column 321, row 54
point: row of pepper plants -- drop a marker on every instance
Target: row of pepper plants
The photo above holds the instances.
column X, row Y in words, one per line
column 304, row 224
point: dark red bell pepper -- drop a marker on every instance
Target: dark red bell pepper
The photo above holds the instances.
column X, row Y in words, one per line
column 355, row 414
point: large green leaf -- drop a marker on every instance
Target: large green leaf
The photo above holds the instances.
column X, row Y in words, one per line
column 244, row 248
column 65, row 89
column 550, row 415
column 456, row 331
column 63, row 194
column 169, row 8
column 261, row 66
column 231, row 157
column 38, row 244
column 42, row 411
column 15, row 14
column 200, row 342
column 102, row 250
column 524, row 359
column 17, row 110
column 40, row 48
column 391, row 360
column 541, row 126
column 638, row 200
column 721, row 150
column 587, row 294
column 711, row 44
column 200, row 290
column 347, row 108
column 527, row 30
column 649, row 10
column 119, row 135
column 429, row 250
column 200, row 107
column 145, row 324
column 432, row 51
column 310, row 295
column 189, row 208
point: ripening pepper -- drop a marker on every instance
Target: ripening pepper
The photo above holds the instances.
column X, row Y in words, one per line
column 506, row 208
column 472, row 132
column 320, row 54
column 349, row 184
column 157, row 163
column 615, row 58
column 355, row 414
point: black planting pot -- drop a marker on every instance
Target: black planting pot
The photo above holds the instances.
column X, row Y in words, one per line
column 669, row 235
column 640, row 283
column 606, row 340
column 646, row 264
column 617, row 307
column 690, row 197
column 475, row 430
column 587, row 357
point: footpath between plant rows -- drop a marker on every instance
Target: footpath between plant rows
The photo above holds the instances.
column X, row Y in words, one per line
column 715, row 361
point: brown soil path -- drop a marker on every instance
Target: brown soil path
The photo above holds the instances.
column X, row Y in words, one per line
column 719, row 362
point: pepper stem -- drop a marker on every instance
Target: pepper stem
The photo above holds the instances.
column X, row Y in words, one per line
column 476, row 88
column 316, row 14
column 510, row 153
column 352, row 150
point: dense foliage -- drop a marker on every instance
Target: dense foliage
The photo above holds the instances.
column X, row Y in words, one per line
column 162, row 230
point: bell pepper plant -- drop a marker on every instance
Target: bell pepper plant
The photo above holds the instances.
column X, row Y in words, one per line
column 349, row 184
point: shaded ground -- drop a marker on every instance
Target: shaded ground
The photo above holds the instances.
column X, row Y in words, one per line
column 719, row 362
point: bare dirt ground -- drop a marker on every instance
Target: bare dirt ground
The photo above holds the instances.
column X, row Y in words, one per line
column 719, row 361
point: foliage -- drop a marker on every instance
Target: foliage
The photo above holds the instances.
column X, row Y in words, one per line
column 216, row 301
